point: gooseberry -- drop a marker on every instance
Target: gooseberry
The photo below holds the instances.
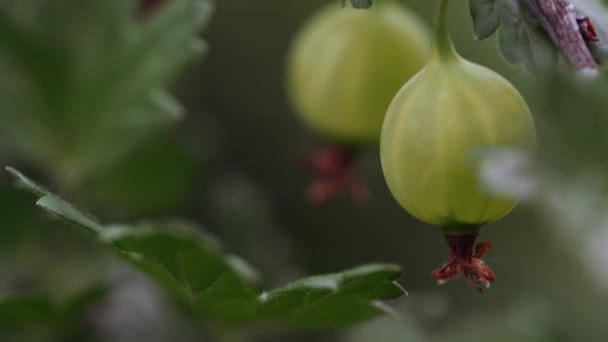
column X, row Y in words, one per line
column 343, row 69
column 432, row 129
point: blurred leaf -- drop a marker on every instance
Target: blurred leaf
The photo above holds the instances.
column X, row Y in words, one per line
column 193, row 266
column 125, row 191
column 486, row 18
column 520, row 39
column 84, row 81
column 572, row 122
column 22, row 311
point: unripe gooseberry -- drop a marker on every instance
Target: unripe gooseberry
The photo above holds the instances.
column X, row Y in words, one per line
column 343, row 69
column 432, row 129
column 346, row 64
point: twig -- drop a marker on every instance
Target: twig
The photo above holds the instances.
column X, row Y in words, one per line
column 559, row 21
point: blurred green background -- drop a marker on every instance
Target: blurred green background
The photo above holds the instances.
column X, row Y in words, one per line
column 231, row 165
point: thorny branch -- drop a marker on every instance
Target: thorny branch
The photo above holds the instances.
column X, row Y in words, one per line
column 559, row 20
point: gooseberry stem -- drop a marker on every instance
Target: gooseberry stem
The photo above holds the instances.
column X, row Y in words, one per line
column 442, row 43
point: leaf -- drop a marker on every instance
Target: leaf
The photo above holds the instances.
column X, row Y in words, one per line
column 193, row 266
column 486, row 17
column 84, row 82
column 21, row 311
column 335, row 299
column 24, row 311
column 54, row 204
column 521, row 40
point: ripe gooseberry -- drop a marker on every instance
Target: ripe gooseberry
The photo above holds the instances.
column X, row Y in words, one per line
column 433, row 126
column 343, row 69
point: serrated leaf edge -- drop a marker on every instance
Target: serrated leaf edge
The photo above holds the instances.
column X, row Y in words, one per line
column 333, row 283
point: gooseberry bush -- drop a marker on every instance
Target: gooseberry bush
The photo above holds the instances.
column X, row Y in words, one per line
column 86, row 106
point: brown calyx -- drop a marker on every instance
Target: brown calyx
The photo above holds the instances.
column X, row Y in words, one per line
column 464, row 261
column 333, row 167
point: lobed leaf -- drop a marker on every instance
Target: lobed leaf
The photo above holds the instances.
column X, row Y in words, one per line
column 521, row 40
column 83, row 77
column 193, row 266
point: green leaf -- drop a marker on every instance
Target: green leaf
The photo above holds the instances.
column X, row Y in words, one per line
column 84, row 82
column 19, row 311
column 25, row 311
column 193, row 266
column 486, row 17
column 521, row 40
column 335, row 299
column 55, row 205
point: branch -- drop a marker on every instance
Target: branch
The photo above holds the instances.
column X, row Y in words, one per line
column 559, row 20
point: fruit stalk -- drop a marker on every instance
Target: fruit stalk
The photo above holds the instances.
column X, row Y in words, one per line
column 442, row 44
column 465, row 256
column 459, row 237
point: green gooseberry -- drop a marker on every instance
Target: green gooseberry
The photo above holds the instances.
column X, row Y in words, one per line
column 346, row 65
column 433, row 127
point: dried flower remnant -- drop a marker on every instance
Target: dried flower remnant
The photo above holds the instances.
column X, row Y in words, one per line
column 466, row 262
column 333, row 168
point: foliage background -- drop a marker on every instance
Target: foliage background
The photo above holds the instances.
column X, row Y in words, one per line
column 231, row 165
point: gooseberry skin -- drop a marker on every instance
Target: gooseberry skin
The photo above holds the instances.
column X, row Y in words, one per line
column 346, row 65
column 432, row 129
